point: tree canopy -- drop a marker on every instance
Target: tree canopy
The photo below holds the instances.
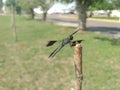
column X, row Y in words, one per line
column 27, row 4
column 1, row 4
column 10, row 2
column 116, row 4
column 104, row 5
column 81, row 6
column 45, row 5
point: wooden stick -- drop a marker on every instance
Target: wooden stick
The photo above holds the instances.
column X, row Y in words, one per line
column 78, row 66
column 13, row 23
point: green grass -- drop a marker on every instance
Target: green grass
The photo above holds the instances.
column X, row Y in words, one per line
column 107, row 18
column 24, row 65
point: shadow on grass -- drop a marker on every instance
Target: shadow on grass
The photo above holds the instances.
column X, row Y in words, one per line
column 111, row 40
column 107, row 30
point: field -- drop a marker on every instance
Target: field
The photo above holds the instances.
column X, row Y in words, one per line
column 107, row 18
column 24, row 65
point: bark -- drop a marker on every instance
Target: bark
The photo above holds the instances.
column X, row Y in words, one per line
column 78, row 66
column 108, row 14
column 91, row 14
column 44, row 15
column 82, row 16
column 32, row 13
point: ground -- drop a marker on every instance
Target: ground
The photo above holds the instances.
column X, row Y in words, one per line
column 24, row 65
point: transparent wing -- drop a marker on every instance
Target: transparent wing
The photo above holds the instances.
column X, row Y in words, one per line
column 56, row 51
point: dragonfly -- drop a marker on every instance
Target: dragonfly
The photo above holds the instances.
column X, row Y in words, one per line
column 65, row 41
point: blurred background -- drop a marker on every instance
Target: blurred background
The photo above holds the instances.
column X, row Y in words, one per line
column 27, row 25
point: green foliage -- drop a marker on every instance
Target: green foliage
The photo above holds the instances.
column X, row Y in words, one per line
column 67, row 1
column 1, row 4
column 46, row 4
column 18, row 10
column 116, row 4
column 88, row 2
column 103, row 5
column 10, row 2
column 14, row 3
column 27, row 4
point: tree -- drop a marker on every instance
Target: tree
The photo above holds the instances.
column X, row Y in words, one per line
column 1, row 4
column 105, row 5
column 12, row 4
column 116, row 4
column 18, row 10
column 82, row 6
column 27, row 6
column 45, row 5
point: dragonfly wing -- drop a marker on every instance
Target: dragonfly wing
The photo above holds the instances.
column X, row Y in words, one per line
column 56, row 50
column 77, row 41
column 53, row 52
column 50, row 43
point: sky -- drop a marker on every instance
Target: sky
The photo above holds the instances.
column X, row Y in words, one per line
column 3, row 0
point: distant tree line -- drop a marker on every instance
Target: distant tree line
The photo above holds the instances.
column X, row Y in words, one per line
column 1, row 5
column 81, row 6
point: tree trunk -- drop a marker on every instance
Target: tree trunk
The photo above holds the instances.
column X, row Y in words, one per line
column 44, row 15
column 13, row 23
column 81, row 10
column 91, row 14
column 108, row 13
column 32, row 13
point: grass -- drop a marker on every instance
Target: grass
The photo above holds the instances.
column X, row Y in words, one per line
column 102, row 17
column 107, row 18
column 24, row 65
